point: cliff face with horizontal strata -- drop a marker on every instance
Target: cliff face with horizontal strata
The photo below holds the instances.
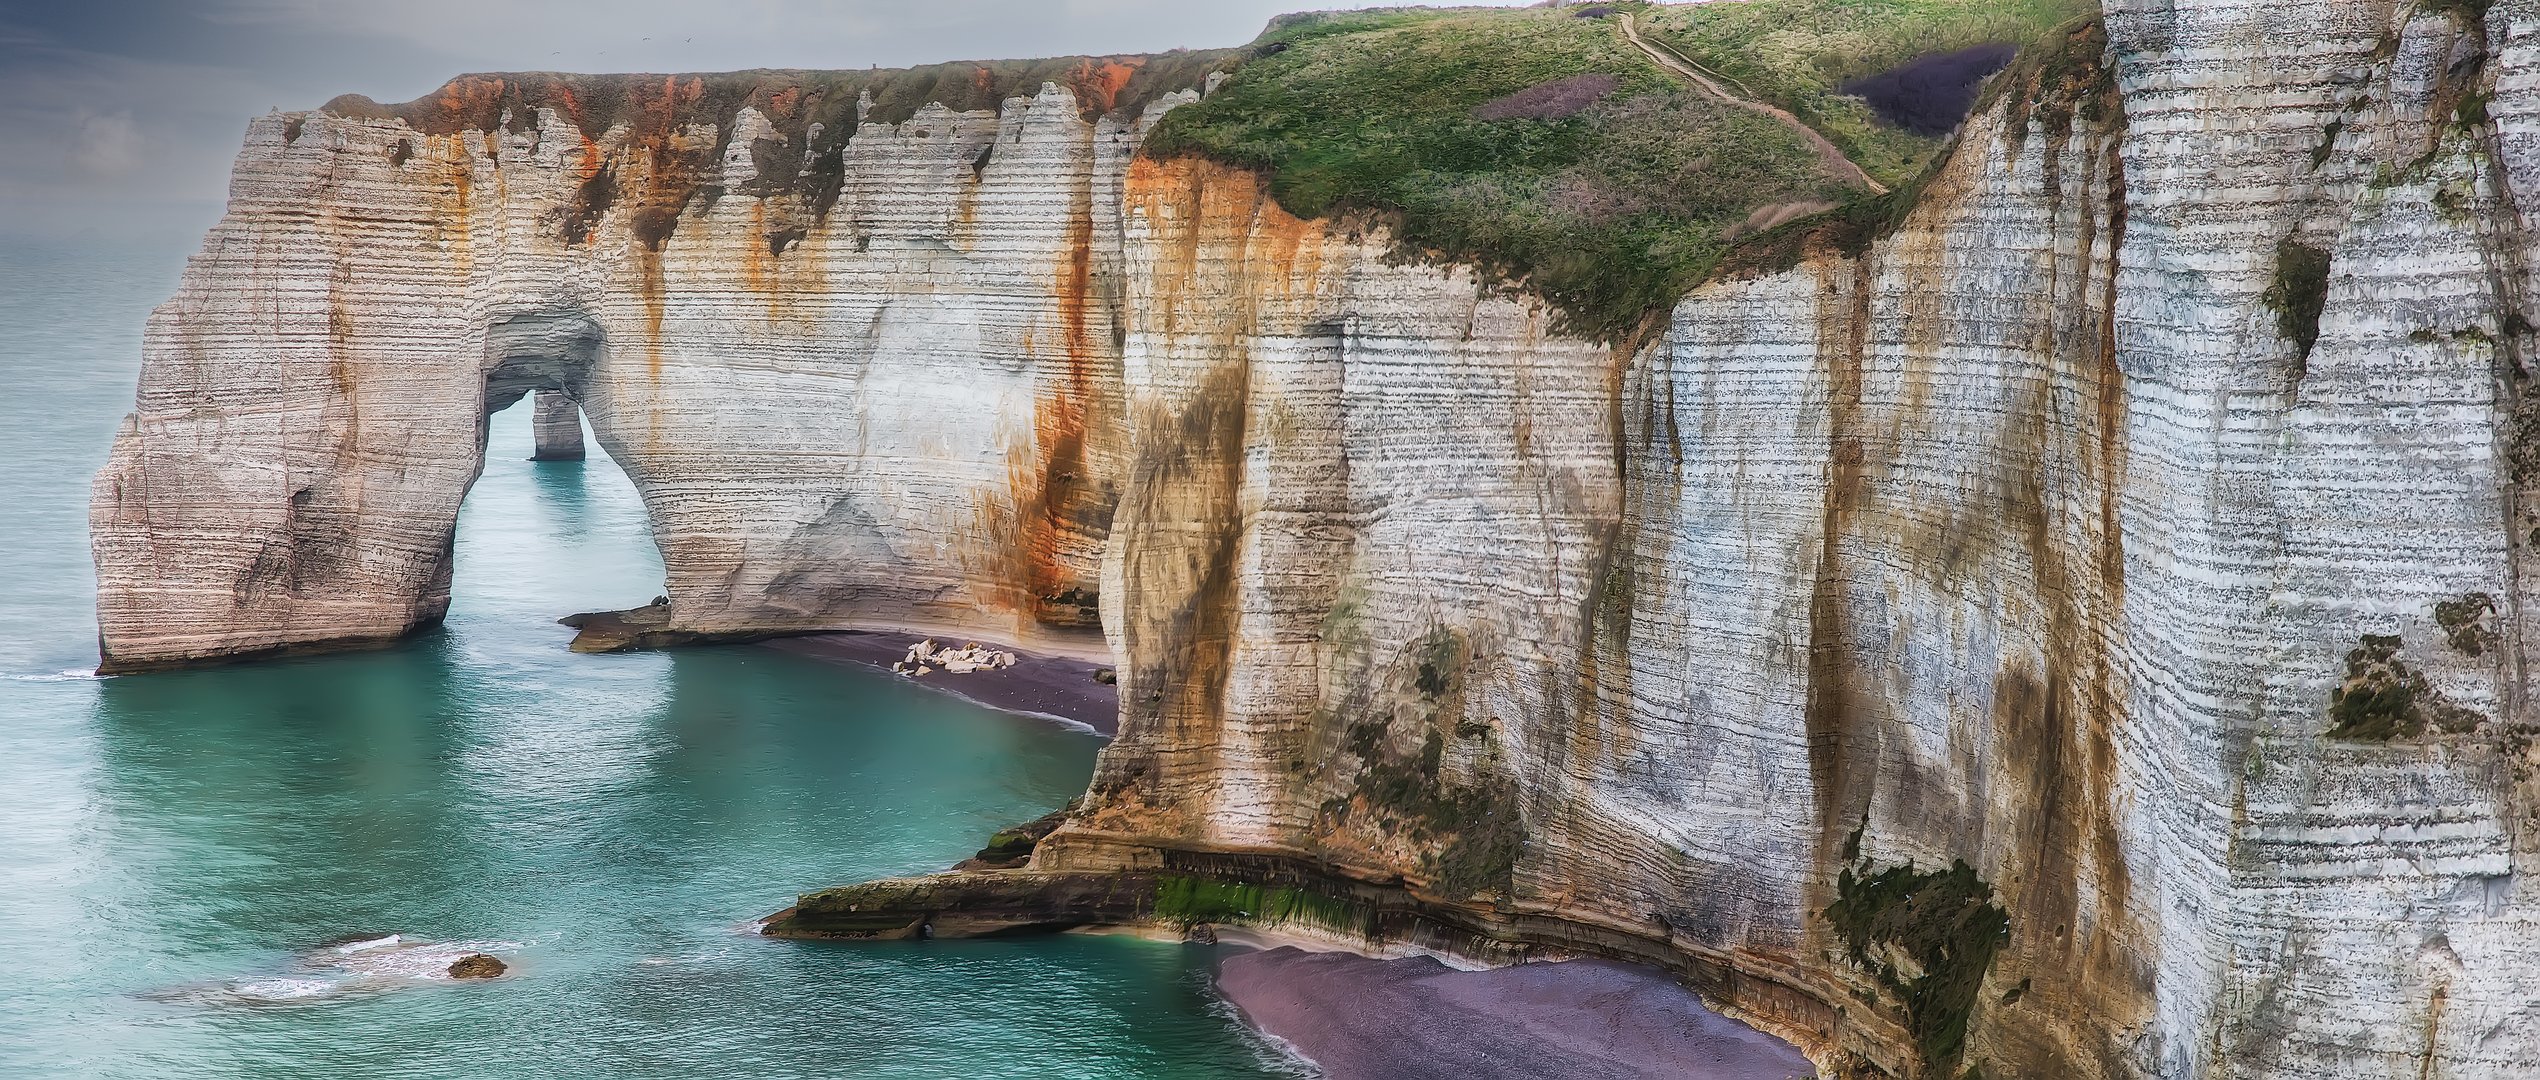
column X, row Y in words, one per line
column 2034, row 534
column 869, row 377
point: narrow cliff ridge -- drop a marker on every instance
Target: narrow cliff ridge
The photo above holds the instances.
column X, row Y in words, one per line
column 2061, row 617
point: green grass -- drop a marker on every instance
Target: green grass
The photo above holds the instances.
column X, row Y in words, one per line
column 1610, row 214
column 1798, row 54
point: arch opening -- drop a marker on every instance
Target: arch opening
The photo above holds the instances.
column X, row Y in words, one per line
column 575, row 531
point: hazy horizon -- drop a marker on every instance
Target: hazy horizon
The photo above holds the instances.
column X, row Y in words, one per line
column 130, row 111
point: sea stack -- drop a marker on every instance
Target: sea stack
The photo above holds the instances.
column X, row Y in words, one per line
column 557, row 427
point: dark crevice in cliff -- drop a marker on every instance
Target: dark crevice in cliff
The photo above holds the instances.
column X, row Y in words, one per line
column 2297, row 294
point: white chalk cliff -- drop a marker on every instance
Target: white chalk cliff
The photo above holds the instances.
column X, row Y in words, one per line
column 2027, row 535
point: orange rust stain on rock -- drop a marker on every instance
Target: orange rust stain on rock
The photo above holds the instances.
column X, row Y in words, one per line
column 339, row 328
column 1098, row 83
column 1209, row 219
column 648, row 285
column 754, row 258
column 454, row 217
column 1058, row 428
column 575, row 114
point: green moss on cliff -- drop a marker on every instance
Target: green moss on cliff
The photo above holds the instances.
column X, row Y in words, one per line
column 2464, row 622
column 1927, row 937
column 2298, row 294
column 1013, row 846
column 1464, row 822
column 2383, row 698
column 1190, row 900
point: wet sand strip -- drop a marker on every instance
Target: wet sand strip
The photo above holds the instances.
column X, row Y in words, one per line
column 1038, row 683
column 1357, row 1017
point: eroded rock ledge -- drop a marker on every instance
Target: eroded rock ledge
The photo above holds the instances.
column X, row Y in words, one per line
column 1124, row 882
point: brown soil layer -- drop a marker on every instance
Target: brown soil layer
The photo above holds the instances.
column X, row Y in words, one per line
column 1359, row 1017
column 1037, row 684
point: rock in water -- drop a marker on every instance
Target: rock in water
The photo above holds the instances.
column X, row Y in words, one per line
column 476, row 966
column 557, row 428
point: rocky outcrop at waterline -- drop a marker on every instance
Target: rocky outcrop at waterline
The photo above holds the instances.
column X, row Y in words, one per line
column 2061, row 619
column 476, row 966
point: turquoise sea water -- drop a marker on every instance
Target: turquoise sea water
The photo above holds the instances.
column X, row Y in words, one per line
column 173, row 848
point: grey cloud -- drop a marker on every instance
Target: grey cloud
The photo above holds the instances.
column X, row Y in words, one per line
column 105, row 146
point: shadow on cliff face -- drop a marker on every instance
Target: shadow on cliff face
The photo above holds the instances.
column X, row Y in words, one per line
column 1931, row 94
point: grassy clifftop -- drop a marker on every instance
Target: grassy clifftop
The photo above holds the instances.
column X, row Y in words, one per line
column 1799, row 54
column 1544, row 147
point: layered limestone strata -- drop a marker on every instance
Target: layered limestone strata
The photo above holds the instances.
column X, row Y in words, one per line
column 1925, row 644
column 556, row 429
column 870, row 377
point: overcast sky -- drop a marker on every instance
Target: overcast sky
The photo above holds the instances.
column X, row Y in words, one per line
column 122, row 115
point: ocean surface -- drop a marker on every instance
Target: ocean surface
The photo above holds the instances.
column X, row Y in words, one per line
column 184, row 857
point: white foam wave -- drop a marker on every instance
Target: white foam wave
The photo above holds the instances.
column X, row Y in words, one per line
column 425, row 962
column 354, row 968
column 1272, row 1053
column 1068, row 722
column 69, row 675
column 282, row 989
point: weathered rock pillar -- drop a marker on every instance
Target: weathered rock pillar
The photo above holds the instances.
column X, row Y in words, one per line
column 557, row 428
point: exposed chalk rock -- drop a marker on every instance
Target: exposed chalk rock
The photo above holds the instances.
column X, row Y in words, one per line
column 923, row 321
column 556, row 430
column 2001, row 566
